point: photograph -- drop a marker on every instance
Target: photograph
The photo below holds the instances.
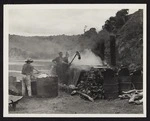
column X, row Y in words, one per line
column 74, row 60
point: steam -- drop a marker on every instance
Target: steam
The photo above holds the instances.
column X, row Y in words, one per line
column 87, row 58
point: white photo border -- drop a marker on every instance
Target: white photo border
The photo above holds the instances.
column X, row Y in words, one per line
column 70, row 6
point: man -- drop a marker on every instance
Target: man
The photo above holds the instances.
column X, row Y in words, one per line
column 59, row 61
column 66, row 68
column 66, row 58
column 58, row 64
column 27, row 71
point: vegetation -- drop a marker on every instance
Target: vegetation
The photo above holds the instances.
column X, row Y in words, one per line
column 115, row 23
column 128, row 30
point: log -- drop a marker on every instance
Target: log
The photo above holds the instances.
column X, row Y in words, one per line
column 138, row 102
column 132, row 91
column 125, row 96
column 135, row 97
column 86, row 96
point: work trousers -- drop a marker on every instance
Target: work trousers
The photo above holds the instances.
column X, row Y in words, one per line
column 26, row 83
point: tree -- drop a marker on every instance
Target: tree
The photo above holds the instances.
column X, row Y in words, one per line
column 114, row 23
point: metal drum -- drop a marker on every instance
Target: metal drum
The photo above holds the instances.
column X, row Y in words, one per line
column 137, row 79
column 47, row 87
column 124, row 80
column 110, row 85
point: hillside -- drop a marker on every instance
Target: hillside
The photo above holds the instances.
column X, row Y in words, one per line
column 37, row 47
column 129, row 43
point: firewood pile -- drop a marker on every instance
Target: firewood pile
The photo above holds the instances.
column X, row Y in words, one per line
column 90, row 85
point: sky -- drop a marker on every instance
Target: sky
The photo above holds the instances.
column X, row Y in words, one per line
column 45, row 22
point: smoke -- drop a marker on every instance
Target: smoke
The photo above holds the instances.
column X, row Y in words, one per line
column 87, row 58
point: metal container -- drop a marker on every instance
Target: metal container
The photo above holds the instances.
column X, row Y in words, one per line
column 137, row 79
column 47, row 87
column 124, row 80
column 110, row 84
column 125, row 83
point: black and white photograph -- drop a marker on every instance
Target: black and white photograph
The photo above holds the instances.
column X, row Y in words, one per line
column 77, row 60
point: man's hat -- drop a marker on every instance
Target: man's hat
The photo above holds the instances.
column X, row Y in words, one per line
column 29, row 60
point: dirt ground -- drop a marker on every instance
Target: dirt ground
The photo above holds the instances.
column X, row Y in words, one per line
column 67, row 104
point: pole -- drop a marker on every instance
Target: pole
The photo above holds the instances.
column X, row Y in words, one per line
column 72, row 59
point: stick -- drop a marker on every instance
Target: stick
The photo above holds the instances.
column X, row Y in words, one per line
column 85, row 95
column 131, row 91
column 72, row 59
column 135, row 96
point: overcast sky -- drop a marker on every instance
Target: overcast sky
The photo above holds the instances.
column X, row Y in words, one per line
column 30, row 22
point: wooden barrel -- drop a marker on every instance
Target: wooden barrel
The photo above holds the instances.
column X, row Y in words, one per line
column 47, row 87
column 124, row 80
column 110, row 85
column 137, row 79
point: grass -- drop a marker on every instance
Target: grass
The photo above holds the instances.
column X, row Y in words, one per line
column 67, row 104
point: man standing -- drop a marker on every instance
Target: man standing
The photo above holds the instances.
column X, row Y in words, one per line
column 27, row 71
column 59, row 61
column 66, row 58
column 58, row 64
column 66, row 69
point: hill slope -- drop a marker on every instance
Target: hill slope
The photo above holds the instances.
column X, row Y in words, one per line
column 129, row 43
